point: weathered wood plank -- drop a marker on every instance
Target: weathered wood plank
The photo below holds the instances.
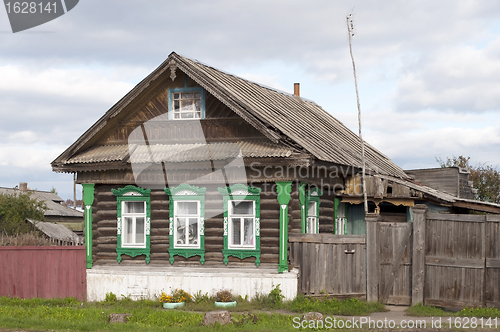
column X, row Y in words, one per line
column 372, row 263
column 327, row 238
column 456, row 217
column 454, row 262
column 493, row 263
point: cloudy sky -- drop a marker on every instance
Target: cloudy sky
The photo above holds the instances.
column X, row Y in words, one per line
column 428, row 71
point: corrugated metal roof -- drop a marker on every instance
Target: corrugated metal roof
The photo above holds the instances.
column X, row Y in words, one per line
column 105, row 153
column 177, row 153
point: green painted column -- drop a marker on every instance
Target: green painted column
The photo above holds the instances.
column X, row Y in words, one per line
column 284, row 188
column 88, row 200
column 303, row 212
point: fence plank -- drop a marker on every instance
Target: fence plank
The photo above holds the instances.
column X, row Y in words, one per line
column 45, row 272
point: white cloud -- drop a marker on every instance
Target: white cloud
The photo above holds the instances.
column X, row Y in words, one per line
column 71, row 83
column 34, row 157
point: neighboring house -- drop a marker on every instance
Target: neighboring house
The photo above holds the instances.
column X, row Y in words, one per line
column 56, row 233
column 56, row 212
column 195, row 178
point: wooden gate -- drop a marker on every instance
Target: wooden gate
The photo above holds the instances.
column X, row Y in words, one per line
column 394, row 242
column 329, row 264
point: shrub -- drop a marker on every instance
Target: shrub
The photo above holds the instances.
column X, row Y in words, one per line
column 110, row 297
column 275, row 296
column 178, row 295
column 223, row 296
column 199, row 297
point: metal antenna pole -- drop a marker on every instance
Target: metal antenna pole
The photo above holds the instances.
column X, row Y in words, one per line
column 350, row 31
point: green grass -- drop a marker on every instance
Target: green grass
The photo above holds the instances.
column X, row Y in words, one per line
column 71, row 315
column 349, row 307
column 420, row 310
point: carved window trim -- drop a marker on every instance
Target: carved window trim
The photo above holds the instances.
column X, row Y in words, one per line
column 186, row 193
column 240, row 192
column 133, row 194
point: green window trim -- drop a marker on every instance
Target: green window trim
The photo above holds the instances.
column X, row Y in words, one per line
column 171, row 98
column 305, row 198
column 186, row 193
column 240, row 192
column 133, row 194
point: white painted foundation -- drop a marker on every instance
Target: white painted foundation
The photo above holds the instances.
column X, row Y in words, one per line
column 148, row 282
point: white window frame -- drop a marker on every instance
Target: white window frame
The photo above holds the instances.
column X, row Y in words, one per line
column 179, row 92
column 134, row 217
column 187, row 216
column 231, row 215
column 312, row 220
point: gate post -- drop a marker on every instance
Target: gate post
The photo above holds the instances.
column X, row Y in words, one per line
column 418, row 259
column 372, row 266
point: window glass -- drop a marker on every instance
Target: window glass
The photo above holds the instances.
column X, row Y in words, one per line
column 134, row 223
column 187, row 222
column 311, row 218
column 128, row 229
column 311, row 211
column 186, row 105
column 242, row 224
column 187, row 208
column 242, row 207
column 139, row 230
column 134, row 207
column 193, row 231
column 249, row 233
column 181, row 230
column 236, row 222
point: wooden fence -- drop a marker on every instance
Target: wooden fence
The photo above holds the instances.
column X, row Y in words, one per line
column 440, row 259
column 462, row 260
column 44, row 272
column 335, row 264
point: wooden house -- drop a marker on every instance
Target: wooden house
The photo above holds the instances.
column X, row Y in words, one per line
column 196, row 178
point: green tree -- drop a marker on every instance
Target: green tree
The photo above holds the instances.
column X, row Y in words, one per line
column 54, row 190
column 485, row 178
column 15, row 208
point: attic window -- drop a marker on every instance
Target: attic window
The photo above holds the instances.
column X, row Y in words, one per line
column 186, row 103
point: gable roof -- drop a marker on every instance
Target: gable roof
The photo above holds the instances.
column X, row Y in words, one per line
column 281, row 117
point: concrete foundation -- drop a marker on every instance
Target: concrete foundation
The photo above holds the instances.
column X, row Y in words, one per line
column 148, row 282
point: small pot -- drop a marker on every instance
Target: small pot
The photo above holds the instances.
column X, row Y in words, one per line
column 173, row 305
column 225, row 304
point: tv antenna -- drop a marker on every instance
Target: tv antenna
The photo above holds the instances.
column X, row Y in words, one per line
column 351, row 33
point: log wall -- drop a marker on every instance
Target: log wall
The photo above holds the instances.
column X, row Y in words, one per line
column 105, row 239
